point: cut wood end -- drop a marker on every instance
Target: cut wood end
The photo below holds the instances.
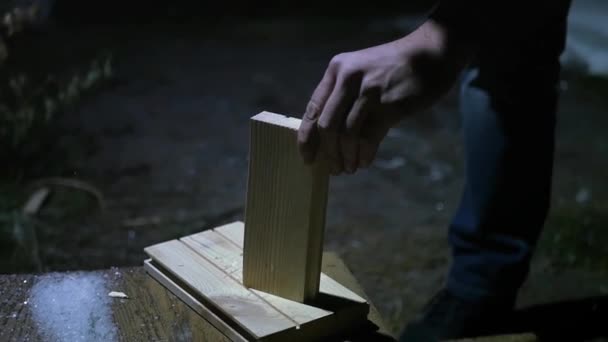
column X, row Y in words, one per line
column 278, row 120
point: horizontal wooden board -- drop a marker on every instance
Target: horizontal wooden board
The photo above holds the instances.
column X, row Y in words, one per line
column 228, row 256
column 219, row 252
column 193, row 302
column 246, row 309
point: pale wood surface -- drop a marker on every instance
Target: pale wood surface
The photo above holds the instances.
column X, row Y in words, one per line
column 249, row 311
column 194, row 303
column 336, row 310
column 152, row 313
column 285, row 212
column 228, row 254
column 233, row 232
column 334, row 267
column 229, row 257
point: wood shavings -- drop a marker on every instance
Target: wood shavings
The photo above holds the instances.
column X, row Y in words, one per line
column 115, row 294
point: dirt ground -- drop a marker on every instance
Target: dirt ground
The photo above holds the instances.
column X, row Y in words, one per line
column 166, row 143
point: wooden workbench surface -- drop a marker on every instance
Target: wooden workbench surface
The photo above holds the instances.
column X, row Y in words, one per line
column 150, row 314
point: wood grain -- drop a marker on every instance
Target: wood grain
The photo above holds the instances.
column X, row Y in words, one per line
column 155, row 314
column 16, row 322
column 247, row 310
column 284, row 213
column 335, row 310
column 229, row 257
column 193, row 302
column 234, row 233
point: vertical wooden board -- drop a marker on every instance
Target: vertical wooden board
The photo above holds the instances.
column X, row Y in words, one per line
column 285, row 212
column 249, row 311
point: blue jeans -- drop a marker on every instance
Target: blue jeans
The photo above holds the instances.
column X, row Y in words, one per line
column 508, row 102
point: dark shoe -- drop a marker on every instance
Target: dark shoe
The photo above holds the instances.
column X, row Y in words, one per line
column 450, row 317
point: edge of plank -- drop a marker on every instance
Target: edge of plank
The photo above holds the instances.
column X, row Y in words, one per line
column 228, row 257
column 168, row 253
column 332, row 294
column 337, row 311
column 278, row 120
column 192, row 302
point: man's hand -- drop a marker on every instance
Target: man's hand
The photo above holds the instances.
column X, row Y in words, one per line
column 364, row 93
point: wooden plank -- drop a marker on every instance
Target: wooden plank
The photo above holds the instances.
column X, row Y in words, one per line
column 16, row 319
column 335, row 268
column 284, row 213
column 337, row 309
column 247, row 310
column 228, row 256
column 313, row 323
column 155, row 314
column 193, row 302
column 234, row 232
column 152, row 313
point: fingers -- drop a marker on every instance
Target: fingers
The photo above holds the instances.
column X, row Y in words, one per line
column 336, row 121
column 371, row 135
column 349, row 142
column 331, row 121
column 308, row 134
column 349, row 148
column 367, row 153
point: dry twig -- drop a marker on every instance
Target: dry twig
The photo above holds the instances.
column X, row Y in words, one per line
column 74, row 184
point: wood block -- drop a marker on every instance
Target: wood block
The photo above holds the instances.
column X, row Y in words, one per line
column 284, row 213
column 205, row 271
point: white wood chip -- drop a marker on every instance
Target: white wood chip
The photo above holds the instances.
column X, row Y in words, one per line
column 115, row 294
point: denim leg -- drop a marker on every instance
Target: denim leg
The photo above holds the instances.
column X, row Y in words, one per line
column 508, row 102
